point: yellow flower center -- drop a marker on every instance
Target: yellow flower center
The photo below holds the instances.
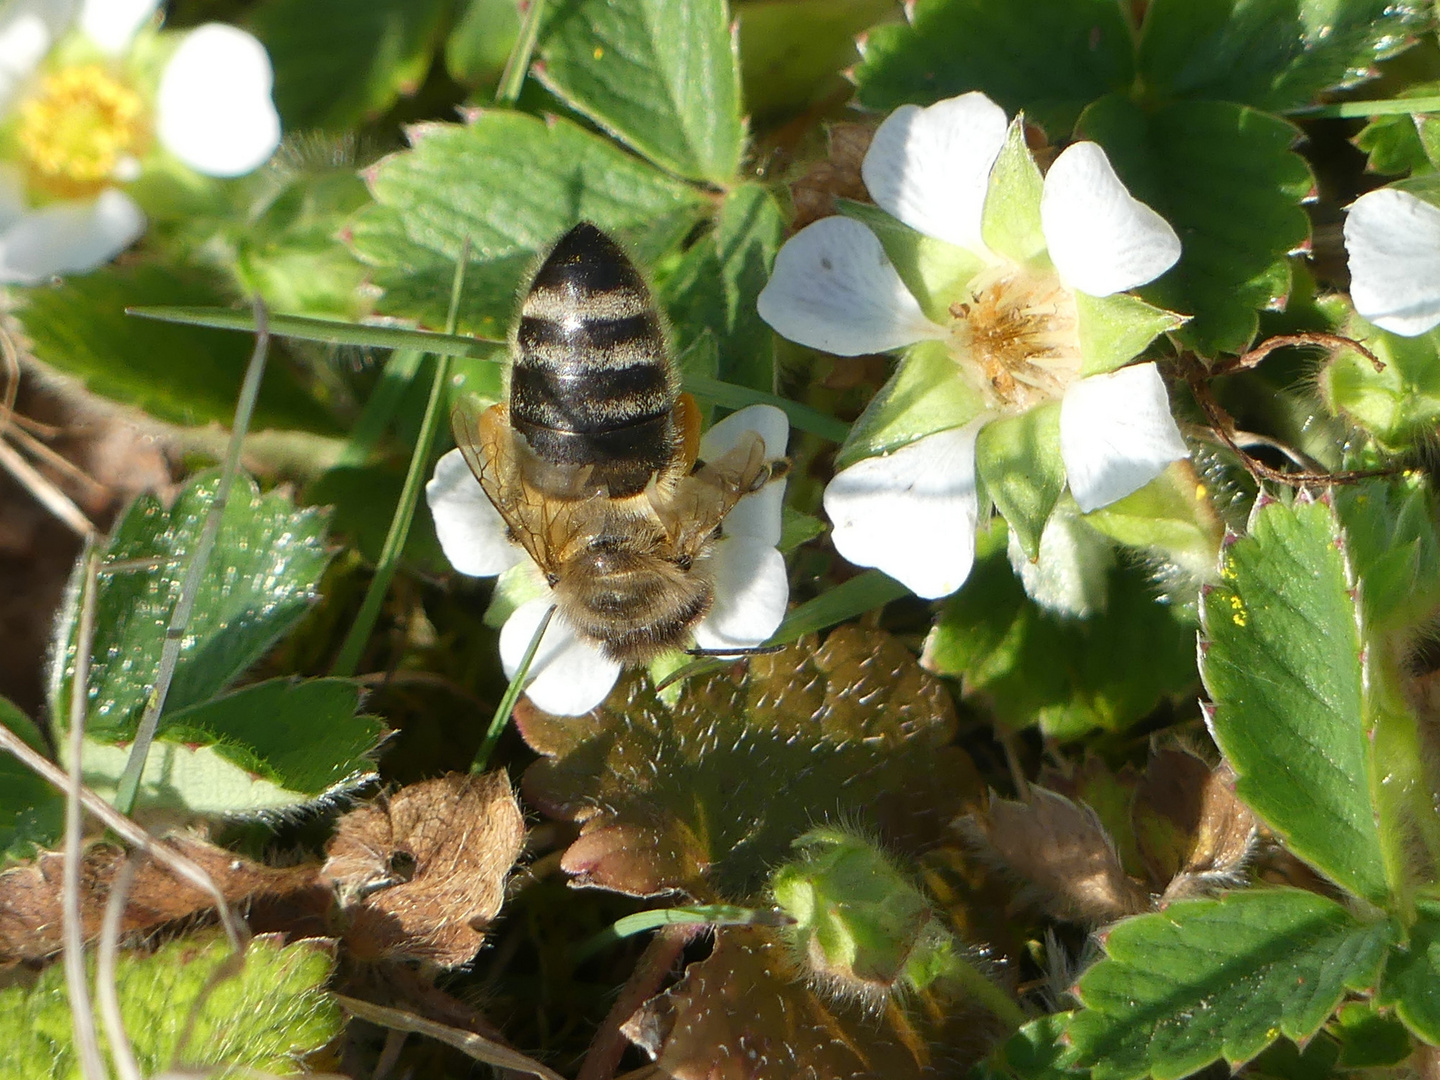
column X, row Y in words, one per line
column 1018, row 337
column 78, row 129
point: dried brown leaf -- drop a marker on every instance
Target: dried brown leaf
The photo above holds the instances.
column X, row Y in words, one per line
column 745, row 1013
column 1063, row 853
column 814, row 193
column 422, row 872
column 1194, row 834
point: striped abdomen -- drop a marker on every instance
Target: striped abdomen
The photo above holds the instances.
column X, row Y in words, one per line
column 591, row 383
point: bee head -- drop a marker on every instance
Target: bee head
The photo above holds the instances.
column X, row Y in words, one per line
column 634, row 605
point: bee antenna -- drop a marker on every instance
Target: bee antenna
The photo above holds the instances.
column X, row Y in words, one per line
column 751, row 650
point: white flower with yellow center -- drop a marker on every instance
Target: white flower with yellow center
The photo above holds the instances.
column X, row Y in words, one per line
column 81, row 120
column 570, row 675
column 1393, row 239
column 1007, row 291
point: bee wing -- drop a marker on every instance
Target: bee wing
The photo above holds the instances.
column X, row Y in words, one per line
column 693, row 506
column 544, row 527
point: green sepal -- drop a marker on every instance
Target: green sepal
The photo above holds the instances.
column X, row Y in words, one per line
column 928, row 393
column 1171, row 516
column 518, row 585
column 933, row 270
column 1018, row 459
column 1115, row 329
column 1399, row 405
column 1010, row 222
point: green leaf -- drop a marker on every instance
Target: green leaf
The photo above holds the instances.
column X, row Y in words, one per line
column 511, row 184
column 32, row 813
column 1283, row 1060
column 1115, row 329
column 271, row 1011
column 1209, row 979
column 1172, row 515
column 1412, row 973
column 1038, row 1051
column 1400, row 405
column 934, row 271
column 338, row 62
column 797, row 528
column 1369, row 1039
column 717, row 282
column 1391, row 539
column 1010, row 222
column 1273, row 54
column 1068, row 675
column 1050, row 58
column 660, row 76
column 480, row 43
column 1225, row 178
column 793, row 51
column 263, row 576
column 1399, row 144
column 1018, row 459
column 1283, row 666
column 175, row 374
column 925, row 395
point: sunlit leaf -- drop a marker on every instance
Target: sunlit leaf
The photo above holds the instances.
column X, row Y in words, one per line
column 32, row 813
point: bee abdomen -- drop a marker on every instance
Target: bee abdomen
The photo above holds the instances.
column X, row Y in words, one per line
column 591, row 384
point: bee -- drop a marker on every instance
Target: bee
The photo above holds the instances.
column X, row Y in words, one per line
column 592, row 461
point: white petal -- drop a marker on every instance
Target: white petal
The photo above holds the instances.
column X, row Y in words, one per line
column 1117, row 434
column 931, row 167
column 215, row 112
column 833, row 289
column 1101, row 238
column 112, row 23
column 471, row 531
column 759, row 516
column 69, row 237
column 27, row 30
column 569, row 676
column 770, row 423
column 1394, row 244
column 751, row 591
column 912, row 513
column 1071, row 576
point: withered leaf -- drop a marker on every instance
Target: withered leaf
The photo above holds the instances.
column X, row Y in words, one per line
column 422, row 872
column 30, row 912
column 1063, row 853
column 1193, row 833
column 708, row 795
column 814, row 193
column 1110, row 793
column 746, row 1014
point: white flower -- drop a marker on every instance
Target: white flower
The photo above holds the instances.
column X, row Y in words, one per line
column 571, row 676
column 1394, row 243
column 81, row 125
column 1014, row 332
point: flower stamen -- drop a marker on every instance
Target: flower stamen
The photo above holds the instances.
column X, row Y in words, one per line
column 79, row 131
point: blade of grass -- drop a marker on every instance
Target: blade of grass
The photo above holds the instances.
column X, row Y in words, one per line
column 380, row 408
column 702, row 914
column 199, row 559
column 105, row 986
column 1359, row 110
column 512, row 79
column 737, row 397
column 82, row 1018
column 512, row 695
column 348, row 660
column 330, row 331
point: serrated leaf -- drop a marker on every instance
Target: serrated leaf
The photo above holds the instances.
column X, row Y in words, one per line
column 925, row 395
column 851, row 728
column 1273, row 54
column 1205, row 980
column 1225, row 178
column 1115, row 329
column 1412, row 973
column 1018, row 459
column 660, row 76
column 1049, row 58
column 338, row 63
column 264, row 1017
column 1069, row 675
column 32, row 813
column 174, row 373
column 1399, row 405
column 1283, row 667
column 263, row 575
column 1392, row 542
column 716, row 284
column 465, row 181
